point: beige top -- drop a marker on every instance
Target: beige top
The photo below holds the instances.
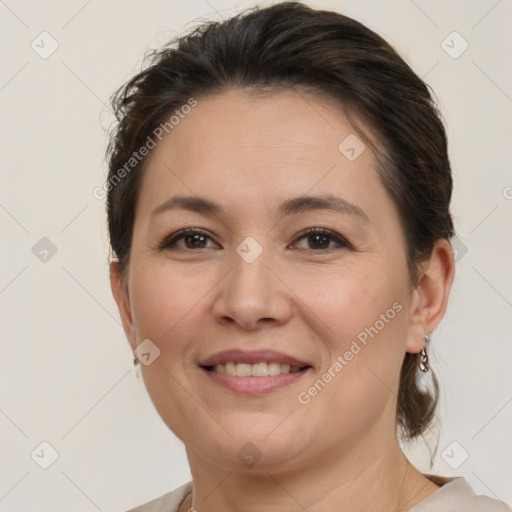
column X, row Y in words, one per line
column 454, row 495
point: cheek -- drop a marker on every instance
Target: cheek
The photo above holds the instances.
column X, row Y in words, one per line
column 164, row 301
column 363, row 354
column 166, row 306
column 365, row 340
column 349, row 299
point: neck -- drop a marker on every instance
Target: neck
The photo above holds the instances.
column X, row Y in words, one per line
column 357, row 479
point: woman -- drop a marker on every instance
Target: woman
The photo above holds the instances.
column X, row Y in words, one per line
column 278, row 209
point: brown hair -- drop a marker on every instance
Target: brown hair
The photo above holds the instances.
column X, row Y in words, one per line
column 291, row 46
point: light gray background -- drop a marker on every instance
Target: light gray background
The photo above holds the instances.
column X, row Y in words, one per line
column 66, row 367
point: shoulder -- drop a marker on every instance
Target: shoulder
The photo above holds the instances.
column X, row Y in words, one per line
column 455, row 495
column 169, row 502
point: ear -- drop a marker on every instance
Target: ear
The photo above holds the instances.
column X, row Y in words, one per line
column 120, row 293
column 430, row 297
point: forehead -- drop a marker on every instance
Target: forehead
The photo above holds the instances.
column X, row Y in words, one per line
column 276, row 141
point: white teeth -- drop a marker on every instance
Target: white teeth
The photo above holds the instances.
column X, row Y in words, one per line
column 243, row 370
column 255, row 370
column 274, row 368
column 259, row 370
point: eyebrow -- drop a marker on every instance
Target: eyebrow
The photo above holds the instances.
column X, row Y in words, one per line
column 292, row 206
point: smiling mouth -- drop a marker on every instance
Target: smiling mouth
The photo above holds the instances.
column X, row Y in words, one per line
column 261, row 369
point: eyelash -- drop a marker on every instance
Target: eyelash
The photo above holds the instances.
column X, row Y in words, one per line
column 170, row 241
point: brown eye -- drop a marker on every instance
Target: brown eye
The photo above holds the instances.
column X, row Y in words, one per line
column 320, row 239
column 193, row 239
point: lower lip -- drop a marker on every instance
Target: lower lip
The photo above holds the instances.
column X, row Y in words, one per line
column 254, row 386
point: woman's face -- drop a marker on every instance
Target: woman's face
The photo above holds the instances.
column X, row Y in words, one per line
column 329, row 314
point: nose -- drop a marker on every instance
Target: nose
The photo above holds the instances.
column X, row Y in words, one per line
column 253, row 295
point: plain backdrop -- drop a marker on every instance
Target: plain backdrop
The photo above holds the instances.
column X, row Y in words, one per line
column 67, row 378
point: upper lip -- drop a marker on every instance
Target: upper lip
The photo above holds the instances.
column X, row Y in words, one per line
column 252, row 357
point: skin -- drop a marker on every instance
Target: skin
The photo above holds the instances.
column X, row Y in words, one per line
column 249, row 154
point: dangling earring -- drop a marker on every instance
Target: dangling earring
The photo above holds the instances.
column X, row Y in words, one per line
column 136, row 367
column 423, row 355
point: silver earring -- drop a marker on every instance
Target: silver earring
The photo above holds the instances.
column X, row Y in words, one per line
column 136, row 367
column 423, row 355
